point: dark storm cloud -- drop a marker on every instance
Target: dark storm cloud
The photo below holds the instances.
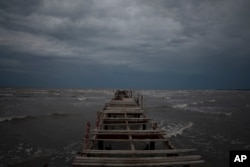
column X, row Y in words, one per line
column 177, row 40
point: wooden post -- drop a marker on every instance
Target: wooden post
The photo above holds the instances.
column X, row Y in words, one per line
column 141, row 101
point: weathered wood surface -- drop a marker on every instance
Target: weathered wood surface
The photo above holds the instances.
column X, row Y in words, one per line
column 137, row 161
column 126, row 140
column 124, row 121
column 123, row 111
column 122, row 164
column 128, row 131
column 139, row 152
column 124, row 124
column 122, row 108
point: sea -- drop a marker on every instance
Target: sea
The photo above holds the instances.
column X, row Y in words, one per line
column 45, row 127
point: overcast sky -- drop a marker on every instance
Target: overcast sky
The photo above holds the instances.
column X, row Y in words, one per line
column 156, row 44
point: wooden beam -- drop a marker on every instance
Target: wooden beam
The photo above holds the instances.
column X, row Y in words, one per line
column 127, row 140
column 79, row 164
column 123, row 119
column 128, row 131
column 122, row 108
column 123, row 103
column 124, row 124
column 143, row 159
column 122, row 111
column 138, row 152
column 137, row 161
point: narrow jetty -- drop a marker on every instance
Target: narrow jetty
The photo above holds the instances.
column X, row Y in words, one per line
column 124, row 136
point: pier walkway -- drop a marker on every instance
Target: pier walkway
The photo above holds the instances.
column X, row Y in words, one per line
column 124, row 136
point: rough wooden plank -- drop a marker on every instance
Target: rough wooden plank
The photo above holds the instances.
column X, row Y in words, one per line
column 123, row 103
column 124, row 100
column 127, row 131
column 124, row 124
column 136, row 164
column 139, row 152
column 136, row 160
column 121, row 121
column 122, row 111
column 127, row 140
column 139, row 159
column 124, row 119
column 122, row 108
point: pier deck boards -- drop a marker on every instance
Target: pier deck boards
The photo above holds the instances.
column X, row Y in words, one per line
column 124, row 136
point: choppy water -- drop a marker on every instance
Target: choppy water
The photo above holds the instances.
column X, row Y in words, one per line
column 45, row 126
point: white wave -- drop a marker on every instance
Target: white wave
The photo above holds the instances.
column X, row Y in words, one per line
column 6, row 94
column 212, row 111
column 237, row 142
column 167, row 97
column 212, row 100
column 2, row 119
column 197, row 102
column 176, row 129
column 184, row 105
column 82, row 98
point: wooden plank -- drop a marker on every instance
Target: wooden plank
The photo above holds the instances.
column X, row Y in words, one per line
column 127, row 131
column 134, row 134
column 130, row 121
column 127, row 140
column 122, row 108
column 124, row 119
column 138, row 152
column 122, row 111
column 124, row 124
column 75, row 164
column 134, row 160
column 122, row 102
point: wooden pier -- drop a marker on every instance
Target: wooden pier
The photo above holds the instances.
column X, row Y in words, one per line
column 124, row 136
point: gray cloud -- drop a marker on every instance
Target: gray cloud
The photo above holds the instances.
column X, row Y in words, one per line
column 174, row 38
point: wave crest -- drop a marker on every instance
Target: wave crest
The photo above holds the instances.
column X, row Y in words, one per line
column 4, row 119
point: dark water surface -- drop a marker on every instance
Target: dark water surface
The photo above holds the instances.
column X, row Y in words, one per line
column 45, row 126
